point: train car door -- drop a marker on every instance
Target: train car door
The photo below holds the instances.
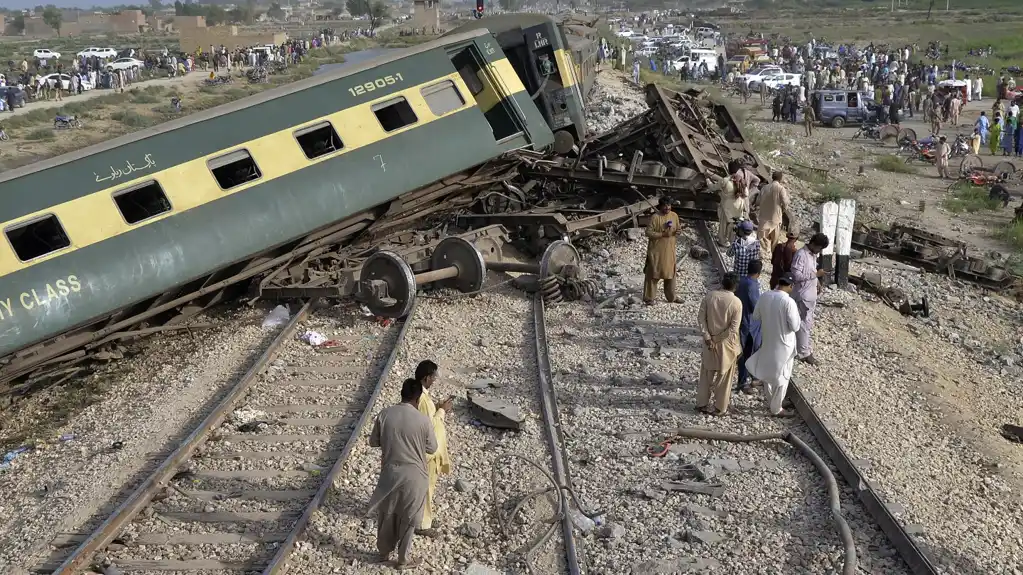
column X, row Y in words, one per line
column 490, row 93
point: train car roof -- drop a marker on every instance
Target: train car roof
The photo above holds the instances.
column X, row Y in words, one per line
column 578, row 42
column 504, row 22
column 247, row 102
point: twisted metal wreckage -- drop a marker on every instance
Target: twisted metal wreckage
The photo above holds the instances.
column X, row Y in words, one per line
column 451, row 233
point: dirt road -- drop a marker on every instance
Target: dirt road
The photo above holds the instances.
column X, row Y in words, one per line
column 188, row 80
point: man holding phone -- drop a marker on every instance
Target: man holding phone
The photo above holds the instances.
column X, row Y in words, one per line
column 662, row 233
column 440, row 461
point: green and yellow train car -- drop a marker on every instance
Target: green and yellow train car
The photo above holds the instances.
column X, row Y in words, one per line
column 107, row 227
column 556, row 75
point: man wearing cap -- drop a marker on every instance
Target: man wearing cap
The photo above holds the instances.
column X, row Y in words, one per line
column 662, row 232
column 772, row 363
column 744, row 249
column 805, row 280
column 944, row 152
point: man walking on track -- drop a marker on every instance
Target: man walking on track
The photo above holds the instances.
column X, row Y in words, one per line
column 405, row 437
column 440, row 462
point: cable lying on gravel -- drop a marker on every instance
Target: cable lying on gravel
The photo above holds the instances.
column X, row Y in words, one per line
column 787, row 436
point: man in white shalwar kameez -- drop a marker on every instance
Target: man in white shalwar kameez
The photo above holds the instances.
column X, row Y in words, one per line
column 772, row 363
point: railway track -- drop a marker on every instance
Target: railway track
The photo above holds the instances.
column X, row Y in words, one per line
column 883, row 516
column 240, row 491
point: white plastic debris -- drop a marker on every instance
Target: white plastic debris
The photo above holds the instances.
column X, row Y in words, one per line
column 277, row 318
column 313, row 338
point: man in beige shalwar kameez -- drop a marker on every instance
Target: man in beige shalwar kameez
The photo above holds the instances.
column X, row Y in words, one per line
column 719, row 319
column 406, row 437
column 662, row 232
column 774, row 207
column 440, row 462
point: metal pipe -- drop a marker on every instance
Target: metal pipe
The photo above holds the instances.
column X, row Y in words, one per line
column 513, row 267
column 834, row 503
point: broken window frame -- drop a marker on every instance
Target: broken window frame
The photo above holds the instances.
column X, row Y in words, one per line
column 230, row 158
column 397, row 100
column 312, row 128
column 29, row 222
column 135, row 188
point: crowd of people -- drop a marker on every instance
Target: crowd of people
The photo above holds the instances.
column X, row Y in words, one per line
column 750, row 339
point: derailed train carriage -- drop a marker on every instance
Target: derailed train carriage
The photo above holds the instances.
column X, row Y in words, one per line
column 557, row 69
column 162, row 221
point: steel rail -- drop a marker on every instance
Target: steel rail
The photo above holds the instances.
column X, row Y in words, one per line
column 279, row 562
column 555, row 435
column 903, row 542
column 137, row 501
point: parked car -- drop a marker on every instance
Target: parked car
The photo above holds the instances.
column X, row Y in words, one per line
column 125, row 64
column 757, row 74
column 98, row 52
column 776, row 81
column 19, row 95
column 837, row 108
column 65, row 82
column 46, row 54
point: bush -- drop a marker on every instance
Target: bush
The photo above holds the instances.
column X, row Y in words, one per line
column 894, row 165
column 969, row 198
column 132, row 119
column 40, row 134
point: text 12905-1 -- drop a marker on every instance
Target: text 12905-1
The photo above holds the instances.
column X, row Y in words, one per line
column 377, row 84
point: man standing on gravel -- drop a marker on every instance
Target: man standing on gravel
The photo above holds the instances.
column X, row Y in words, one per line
column 406, row 437
column 749, row 329
column 440, row 462
column 944, row 152
column 772, row 363
column 719, row 318
column 774, row 207
column 661, row 232
column 805, row 282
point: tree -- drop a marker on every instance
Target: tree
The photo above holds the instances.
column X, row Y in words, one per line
column 155, row 5
column 378, row 12
column 179, row 8
column 53, row 18
column 358, row 7
column 18, row 23
column 275, row 12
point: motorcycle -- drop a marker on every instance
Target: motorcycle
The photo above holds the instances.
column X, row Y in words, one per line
column 66, row 122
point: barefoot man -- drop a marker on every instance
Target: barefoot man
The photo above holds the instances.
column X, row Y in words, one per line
column 440, row 462
column 406, row 437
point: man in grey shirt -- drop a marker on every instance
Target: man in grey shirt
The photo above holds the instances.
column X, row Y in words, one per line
column 405, row 437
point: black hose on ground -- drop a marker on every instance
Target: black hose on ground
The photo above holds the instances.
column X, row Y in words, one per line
column 834, row 503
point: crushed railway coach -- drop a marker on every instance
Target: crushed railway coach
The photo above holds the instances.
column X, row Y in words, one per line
column 159, row 223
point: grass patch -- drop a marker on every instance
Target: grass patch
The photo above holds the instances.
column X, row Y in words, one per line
column 894, row 164
column 132, row 119
column 830, row 192
column 144, row 98
column 40, row 134
column 1012, row 234
column 969, row 198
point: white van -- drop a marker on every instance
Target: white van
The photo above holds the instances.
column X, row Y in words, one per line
column 696, row 58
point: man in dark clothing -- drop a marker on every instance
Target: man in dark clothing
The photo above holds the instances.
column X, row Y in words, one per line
column 748, row 293
column 781, row 258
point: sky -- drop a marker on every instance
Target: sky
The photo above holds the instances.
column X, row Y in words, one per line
column 25, row 4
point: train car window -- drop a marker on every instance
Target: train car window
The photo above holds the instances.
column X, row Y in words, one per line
column 234, row 169
column 142, row 202
column 37, row 238
column 319, row 140
column 395, row 114
column 443, row 97
column 472, row 81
